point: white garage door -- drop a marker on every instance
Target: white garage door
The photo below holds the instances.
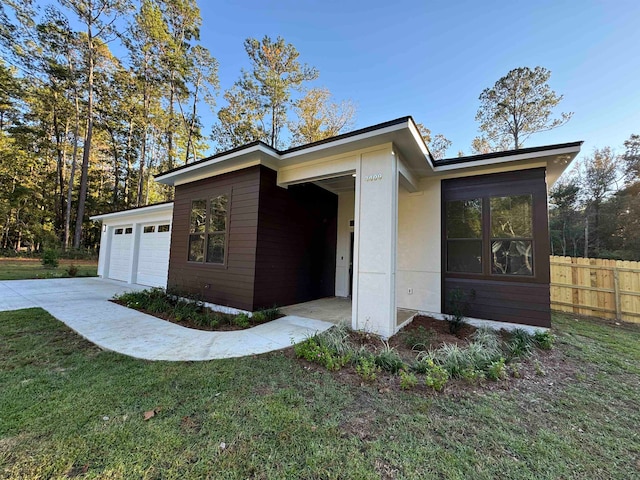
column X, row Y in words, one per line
column 120, row 255
column 153, row 255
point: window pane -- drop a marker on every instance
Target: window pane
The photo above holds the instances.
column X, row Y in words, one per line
column 118, row 231
column 198, row 216
column 196, row 248
column 511, row 257
column 163, row 228
column 215, row 248
column 464, row 219
column 128, row 230
column 511, row 216
column 149, row 229
column 218, row 214
column 464, row 256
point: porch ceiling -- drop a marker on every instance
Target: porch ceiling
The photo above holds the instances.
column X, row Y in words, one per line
column 338, row 185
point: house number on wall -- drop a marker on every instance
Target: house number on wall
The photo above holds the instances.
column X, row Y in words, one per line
column 373, row 178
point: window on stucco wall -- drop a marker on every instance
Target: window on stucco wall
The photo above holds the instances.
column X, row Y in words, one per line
column 208, row 230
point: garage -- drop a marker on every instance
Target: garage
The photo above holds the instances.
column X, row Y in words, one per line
column 153, row 255
column 135, row 244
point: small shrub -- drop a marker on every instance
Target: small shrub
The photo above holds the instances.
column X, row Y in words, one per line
column 50, row 258
column 313, row 350
column 367, row 368
column 538, row 367
column 454, row 359
column 472, row 375
column 388, row 359
column 407, row 380
column 423, row 361
column 241, row 320
column 436, row 376
column 72, row 270
column 544, row 340
column 457, row 307
column 271, row 313
column 515, row 370
column 497, row 370
column 336, row 339
column 417, row 338
column 258, row 317
column 520, row 344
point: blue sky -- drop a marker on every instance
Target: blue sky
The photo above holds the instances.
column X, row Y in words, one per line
column 431, row 59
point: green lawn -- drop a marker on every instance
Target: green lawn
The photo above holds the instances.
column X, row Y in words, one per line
column 24, row 268
column 68, row 409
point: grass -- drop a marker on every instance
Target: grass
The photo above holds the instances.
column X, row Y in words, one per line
column 26, row 268
column 69, row 409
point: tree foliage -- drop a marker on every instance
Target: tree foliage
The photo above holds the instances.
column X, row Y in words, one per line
column 519, row 104
column 438, row 144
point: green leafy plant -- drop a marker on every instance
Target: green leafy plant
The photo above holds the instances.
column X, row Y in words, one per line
column 314, row 350
column 497, row 370
column 544, row 339
column 472, row 375
column 407, row 380
column 366, row 367
column 242, row 320
column 50, row 258
column 515, row 370
column 436, row 376
column 539, row 369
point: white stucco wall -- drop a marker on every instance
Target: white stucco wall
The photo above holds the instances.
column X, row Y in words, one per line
column 419, row 248
column 374, row 305
column 346, row 213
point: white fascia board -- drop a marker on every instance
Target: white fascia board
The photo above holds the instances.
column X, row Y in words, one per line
column 171, row 177
column 570, row 151
column 345, row 141
column 420, row 142
column 166, row 208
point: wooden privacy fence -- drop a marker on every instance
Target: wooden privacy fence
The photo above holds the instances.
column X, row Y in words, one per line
column 596, row 287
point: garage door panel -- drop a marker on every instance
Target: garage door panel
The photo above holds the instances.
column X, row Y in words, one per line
column 120, row 255
column 153, row 258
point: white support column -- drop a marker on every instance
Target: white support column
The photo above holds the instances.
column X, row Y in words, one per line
column 104, row 257
column 135, row 247
column 374, row 302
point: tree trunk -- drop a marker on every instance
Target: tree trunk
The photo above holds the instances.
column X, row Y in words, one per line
column 72, row 172
column 87, row 143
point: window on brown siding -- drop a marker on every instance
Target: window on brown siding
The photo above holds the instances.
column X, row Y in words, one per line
column 464, row 236
column 506, row 233
column 208, row 230
column 512, row 235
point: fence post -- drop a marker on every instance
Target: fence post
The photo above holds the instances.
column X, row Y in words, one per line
column 616, row 289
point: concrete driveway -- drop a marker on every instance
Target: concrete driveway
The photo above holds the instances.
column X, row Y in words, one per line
column 82, row 304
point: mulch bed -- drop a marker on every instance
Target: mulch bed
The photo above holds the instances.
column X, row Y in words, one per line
column 221, row 327
column 555, row 367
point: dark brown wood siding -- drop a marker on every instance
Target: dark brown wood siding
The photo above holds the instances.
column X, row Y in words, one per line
column 231, row 284
column 516, row 299
column 296, row 251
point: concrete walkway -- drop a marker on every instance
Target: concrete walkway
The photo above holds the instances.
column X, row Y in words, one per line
column 82, row 304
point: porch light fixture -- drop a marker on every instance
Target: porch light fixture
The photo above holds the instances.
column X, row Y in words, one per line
column 353, row 175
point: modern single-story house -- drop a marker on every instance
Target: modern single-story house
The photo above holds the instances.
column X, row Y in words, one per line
column 368, row 215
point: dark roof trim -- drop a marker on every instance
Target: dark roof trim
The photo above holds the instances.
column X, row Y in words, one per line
column 361, row 131
column 506, row 153
column 354, row 133
column 134, row 208
column 217, row 155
